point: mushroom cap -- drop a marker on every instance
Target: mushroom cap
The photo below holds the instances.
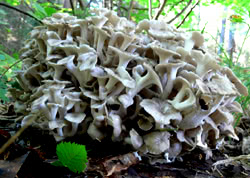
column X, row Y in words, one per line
column 164, row 54
column 75, row 117
column 136, row 139
column 161, row 111
column 122, row 76
column 198, row 38
column 145, row 123
column 238, row 84
column 148, row 78
column 157, row 142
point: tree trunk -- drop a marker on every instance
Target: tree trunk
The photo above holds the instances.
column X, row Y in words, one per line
column 106, row 4
column 66, row 4
column 231, row 40
column 119, row 4
column 222, row 33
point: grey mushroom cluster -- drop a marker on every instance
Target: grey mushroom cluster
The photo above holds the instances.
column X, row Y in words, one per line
column 148, row 84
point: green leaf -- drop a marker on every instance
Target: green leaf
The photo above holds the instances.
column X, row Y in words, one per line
column 40, row 9
column 50, row 10
column 3, row 97
column 58, row 163
column 72, row 155
column 2, row 57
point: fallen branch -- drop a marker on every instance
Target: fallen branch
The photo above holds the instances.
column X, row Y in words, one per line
column 14, row 137
column 182, row 11
column 188, row 13
column 232, row 159
column 18, row 10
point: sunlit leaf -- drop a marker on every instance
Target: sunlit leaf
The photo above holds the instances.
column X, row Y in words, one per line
column 72, row 155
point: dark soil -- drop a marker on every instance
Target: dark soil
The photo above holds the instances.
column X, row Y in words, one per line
column 31, row 154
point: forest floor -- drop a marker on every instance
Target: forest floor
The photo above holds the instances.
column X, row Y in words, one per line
column 32, row 152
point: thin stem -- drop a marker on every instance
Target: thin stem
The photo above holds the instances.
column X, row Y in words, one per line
column 245, row 38
column 182, row 22
column 223, row 51
column 174, row 5
column 18, row 10
column 182, row 11
column 135, row 8
column 1, row 76
column 160, row 10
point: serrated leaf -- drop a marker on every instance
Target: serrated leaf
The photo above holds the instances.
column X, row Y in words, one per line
column 58, row 163
column 72, row 155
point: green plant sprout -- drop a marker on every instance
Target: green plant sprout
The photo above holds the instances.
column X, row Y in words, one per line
column 71, row 155
column 243, row 73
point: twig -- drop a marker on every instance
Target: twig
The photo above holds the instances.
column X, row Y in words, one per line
column 72, row 6
column 130, row 9
column 182, row 11
column 88, row 6
column 18, row 133
column 136, row 8
column 246, row 36
column 12, row 65
column 188, row 13
column 232, row 159
column 18, row 10
column 27, row 5
column 150, row 9
column 160, row 10
column 175, row 4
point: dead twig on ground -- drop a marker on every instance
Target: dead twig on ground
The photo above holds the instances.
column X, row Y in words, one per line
column 14, row 137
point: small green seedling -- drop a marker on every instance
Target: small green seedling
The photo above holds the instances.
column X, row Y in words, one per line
column 72, row 156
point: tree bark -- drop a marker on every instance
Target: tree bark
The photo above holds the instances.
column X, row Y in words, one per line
column 231, row 40
column 66, row 4
column 222, row 33
column 119, row 4
column 106, row 4
column 130, row 9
